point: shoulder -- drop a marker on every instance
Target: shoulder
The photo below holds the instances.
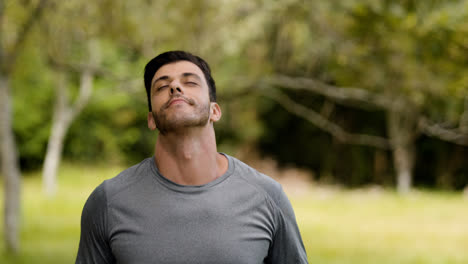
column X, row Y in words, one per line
column 272, row 190
column 125, row 179
column 263, row 183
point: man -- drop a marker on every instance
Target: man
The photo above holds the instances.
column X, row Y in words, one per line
column 188, row 203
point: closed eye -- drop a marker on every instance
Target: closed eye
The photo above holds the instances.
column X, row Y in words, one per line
column 162, row 87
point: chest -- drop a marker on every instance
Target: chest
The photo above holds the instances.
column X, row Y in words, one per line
column 192, row 229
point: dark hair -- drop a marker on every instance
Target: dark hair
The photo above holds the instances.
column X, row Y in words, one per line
column 173, row 56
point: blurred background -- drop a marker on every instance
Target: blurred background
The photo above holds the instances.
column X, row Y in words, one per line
column 359, row 109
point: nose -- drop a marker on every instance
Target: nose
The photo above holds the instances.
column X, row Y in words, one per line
column 176, row 90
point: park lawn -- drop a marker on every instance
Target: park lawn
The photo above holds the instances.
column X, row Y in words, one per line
column 338, row 226
column 368, row 226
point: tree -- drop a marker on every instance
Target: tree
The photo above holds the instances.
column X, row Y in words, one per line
column 69, row 31
column 9, row 52
column 65, row 39
column 403, row 121
column 64, row 114
column 396, row 52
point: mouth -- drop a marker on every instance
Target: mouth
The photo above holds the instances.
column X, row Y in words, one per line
column 177, row 101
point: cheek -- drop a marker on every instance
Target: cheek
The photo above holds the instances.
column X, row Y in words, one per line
column 157, row 101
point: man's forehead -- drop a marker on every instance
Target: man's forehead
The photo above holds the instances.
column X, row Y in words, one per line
column 178, row 68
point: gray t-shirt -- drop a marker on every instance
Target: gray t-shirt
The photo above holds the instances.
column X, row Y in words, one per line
column 139, row 216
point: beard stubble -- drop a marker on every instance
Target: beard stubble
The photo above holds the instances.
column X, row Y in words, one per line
column 197, row 118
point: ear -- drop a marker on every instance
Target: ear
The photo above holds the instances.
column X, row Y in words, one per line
column 215, row 112
column 151, row 122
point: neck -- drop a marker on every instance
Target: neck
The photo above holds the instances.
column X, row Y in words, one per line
column 190, row 157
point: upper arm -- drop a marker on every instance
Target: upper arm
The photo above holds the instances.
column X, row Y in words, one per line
column 287, row 245
column 94, row 244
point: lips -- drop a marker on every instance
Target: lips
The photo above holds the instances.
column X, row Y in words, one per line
column 177, row 100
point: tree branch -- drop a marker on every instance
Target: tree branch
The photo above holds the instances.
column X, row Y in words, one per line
column 359, row 96
column 81, row 67
column 2, row 52
column 325, row 124
column 456, row 136
column 25, row 29
column 87, row 76
column 463, row 124
column 236, row 95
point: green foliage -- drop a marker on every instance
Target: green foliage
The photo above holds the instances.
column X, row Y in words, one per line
column 411, row 49
column 33, row 98
column 112, row 130
column 414, row 50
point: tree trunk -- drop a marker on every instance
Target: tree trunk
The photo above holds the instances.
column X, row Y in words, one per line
column 53, row 156
column 10, row 169
column 403, row 159
column 401, row 129
column 60, row 124
column 64, row 114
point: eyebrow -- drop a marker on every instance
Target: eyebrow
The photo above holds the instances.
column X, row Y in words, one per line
column 188, row 74
column 185, row 74
column 164, row 77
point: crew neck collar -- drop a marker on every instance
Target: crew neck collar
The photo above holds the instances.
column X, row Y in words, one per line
column 191, row 188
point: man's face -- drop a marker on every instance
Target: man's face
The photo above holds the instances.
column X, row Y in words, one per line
column 179, row 98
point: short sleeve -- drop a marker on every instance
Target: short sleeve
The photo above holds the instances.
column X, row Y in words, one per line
column 94, row 243
column 287, row 245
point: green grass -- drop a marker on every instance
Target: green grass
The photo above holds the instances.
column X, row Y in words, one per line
column 383, row 227
column 50, row 227
column 337, row 226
